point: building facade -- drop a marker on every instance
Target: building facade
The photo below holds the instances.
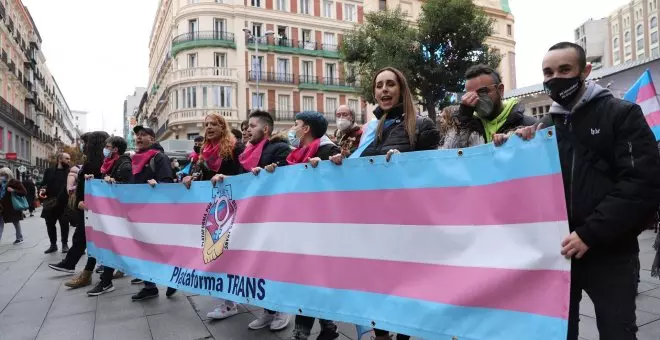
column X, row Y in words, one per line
column 233, row 56
column 593, row 36
column 131, row 106
column 30, row 107
column 633, row 31
column 80, row 121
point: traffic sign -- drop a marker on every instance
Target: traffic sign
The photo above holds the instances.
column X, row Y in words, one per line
column 22, row 169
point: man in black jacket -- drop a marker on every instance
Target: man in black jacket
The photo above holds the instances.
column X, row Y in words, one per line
column 150, row 166
column 610, row 165
column 482, row 109
column 53, row 187
column 275, row 149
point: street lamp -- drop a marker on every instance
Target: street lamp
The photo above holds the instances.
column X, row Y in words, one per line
column 256, row 53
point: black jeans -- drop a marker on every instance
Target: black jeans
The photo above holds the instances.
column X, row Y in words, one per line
column 380, row 332
column 611, row 283
column 106, row 276
column 79, row 244
column 51, row 222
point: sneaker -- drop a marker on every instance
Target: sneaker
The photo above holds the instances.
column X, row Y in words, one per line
column 99, row 269
column 170, row 291
column 145, row 293
column 101, row 288
column 60, row 267
column 17, row 242
column 280, row 321
column 65, row 249
column 264, row 320
column 51, row 249
column 136, row 281
column 223, row 311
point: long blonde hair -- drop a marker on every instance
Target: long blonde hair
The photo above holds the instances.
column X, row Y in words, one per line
column 410, row 118
column 227, row 140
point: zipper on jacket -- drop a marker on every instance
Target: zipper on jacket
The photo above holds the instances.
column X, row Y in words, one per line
column 570, row 206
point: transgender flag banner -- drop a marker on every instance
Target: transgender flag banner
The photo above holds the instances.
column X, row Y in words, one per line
column 434, row 244
column 643, row 94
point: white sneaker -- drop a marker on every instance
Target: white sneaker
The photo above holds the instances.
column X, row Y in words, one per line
column 280, row 321
column 262, row 321
column 222, row 312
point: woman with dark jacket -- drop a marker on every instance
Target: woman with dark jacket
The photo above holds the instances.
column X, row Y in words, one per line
column 398, row 130
column 8, row 187
column 93, row 151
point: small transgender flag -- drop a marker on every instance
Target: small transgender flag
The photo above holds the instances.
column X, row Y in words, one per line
column 643, row 94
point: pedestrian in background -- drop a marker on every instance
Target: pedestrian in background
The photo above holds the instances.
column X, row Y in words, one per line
column 8, row 188
column 54, row 199
column 31, row 193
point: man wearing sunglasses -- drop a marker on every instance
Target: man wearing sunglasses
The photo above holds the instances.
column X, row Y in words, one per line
column 482, row 109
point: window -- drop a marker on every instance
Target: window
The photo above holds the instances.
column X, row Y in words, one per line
column 304, row 7
column 257, row 100
column 256, row 29
column 509, row 30
column 189, row 97
column 10, row 147
column 256, row 63
column 308, row 103
column 219, row 27
column 654, row 37
column 350, row 12
column 640, row 30
column 382, row 5
column 330, row 74
column 192, row 136
column 354, row 104
column 655, row 52
column 329, row 42
column 283, row 103
column 328, row 9
column 654, row 22
column 626, row 37
column 221, row 96
column 307, row 40
column 640, row 44
column 307, row 72
column 577, row 34
column 255, row 3
column 615, row 44
column 205, row 101
column 628, row 50
column 193, row 26
column 192, row 60
column 330, row 105
column 281, row 5
column 283, row 69
column 193, row 2
column 219, row 60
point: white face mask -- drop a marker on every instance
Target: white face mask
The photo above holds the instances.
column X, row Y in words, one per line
column 343, row 124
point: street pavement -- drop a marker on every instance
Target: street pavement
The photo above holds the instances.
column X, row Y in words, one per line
column 34, row 303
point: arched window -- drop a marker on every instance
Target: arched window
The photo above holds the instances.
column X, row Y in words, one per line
column 654, row 22
column 626, row 37
column 640, row 30
column 615, row 44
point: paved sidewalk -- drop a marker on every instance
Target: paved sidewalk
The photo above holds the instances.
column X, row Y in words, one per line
column 34, row 304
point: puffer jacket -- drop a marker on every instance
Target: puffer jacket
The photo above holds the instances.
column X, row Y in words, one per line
column 395, row 135
column 610, row 166
column 275, row 151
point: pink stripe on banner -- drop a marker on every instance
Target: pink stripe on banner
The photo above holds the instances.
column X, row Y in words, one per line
column 646, row 92
column 506, row 289
column 653, row 118
column 488, row 205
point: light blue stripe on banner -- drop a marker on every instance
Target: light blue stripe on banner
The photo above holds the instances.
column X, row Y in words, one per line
column 516, row 159
column 354, row 307
column 656, row 132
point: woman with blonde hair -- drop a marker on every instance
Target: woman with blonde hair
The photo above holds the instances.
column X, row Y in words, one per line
column 452, row 135
column 399, row 129
column 8, row 187
column 218, row 157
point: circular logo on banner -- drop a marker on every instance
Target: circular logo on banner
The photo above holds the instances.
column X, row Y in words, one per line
column 217, row 223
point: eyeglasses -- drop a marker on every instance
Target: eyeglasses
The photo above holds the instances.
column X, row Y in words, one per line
column 343, row 114
column 486, row 89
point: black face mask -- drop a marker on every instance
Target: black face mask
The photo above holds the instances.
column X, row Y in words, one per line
column 563, row 91
column 197, row 148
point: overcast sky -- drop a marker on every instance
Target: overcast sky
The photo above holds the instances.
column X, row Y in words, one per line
column 98, row 50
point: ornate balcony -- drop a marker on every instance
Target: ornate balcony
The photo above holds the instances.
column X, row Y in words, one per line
column 272, row 77
column 294, row 46
column 206, row 73
column 196, row 116
column 328, row 84
column 192, row 40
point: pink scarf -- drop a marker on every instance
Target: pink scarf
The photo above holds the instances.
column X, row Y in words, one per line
column 108, row 163
column 305, row 153
column 140, row 159
column 250, row 157
column 194, row 157
column 211, row 155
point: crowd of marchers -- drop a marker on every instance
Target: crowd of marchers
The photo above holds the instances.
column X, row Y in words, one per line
column 611, row 179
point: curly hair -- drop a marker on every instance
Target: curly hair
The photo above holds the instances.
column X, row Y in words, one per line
column 448, row 118
column 227, row 140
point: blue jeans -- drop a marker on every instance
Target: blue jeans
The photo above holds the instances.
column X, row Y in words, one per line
column 17, row 226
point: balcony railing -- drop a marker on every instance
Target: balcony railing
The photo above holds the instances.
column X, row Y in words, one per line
column 189, row 116
column 202, row 39
column 294, row 46
column 329, row 81
column 11, row 113
column 272, row 77
column 206, row 72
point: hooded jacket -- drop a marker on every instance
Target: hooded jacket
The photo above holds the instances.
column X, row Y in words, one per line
column 158, row 168
column 516, row 119
column 610, row 166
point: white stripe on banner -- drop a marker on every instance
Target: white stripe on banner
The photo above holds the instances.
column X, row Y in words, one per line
column 520, row 246
column 650, row 105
